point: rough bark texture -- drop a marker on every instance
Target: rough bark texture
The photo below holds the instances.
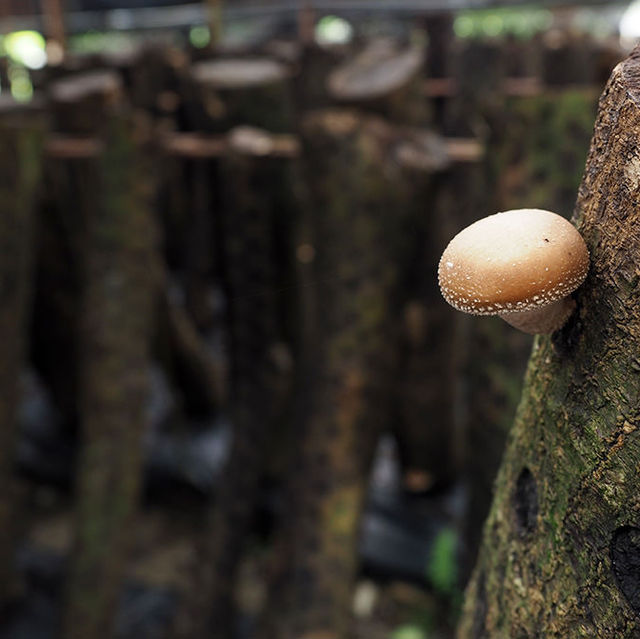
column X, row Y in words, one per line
column 560, row 550
column 116, row 326
column 20, row 146
column 347, row 249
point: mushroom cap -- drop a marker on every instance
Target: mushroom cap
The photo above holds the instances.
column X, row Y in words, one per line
column 513, row 261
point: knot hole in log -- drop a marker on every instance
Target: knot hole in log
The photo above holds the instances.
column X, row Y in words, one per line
column 625, row 562
column 525, row 503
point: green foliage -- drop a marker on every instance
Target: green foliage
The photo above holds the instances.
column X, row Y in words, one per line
column 102, row 41
column 200, row 36
column 522, row 23
column 409, row 631
column 442, row 569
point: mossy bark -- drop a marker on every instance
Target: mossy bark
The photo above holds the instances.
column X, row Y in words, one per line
column 532, row 165
column 347, row 251
column 116, row 322
column 560, row 550
column 20, row 147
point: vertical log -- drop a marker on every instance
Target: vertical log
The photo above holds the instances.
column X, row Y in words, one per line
column 77, row 107
column 251, row 215
column 116, row 323
column 439, row 28
column 425, row 424
column 20, row 152
column 347, row 250
column 560, row 548
column 479, row 71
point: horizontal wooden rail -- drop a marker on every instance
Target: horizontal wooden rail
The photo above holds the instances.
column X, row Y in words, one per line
column 242, row 141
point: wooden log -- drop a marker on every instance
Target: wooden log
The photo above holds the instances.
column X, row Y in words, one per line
column 478, row 71
column 70, row 185
column 561, row 541
column 154, row 81
column 81, row 101
column 255, row 225
column 441, row 37
column 120, row 276
column 222, row 93
column 348, row 247
column 21, row 133
column 310, row 86
column 424, row 386
column 522, row 58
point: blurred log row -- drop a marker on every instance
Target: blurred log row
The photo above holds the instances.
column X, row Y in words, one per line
column 266, row 228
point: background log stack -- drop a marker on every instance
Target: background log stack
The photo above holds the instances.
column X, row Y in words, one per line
column 315, row 205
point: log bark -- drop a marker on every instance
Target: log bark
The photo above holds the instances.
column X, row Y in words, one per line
column 561, row 546
column 116, row 324
column 251, row 211
column 347, row 248
column 69, row 191
column 20, row 147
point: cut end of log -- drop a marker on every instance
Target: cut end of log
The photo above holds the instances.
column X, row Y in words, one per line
column 79, row 87
column 239, row 73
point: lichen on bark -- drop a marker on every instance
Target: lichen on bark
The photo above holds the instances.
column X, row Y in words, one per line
column 560, row 544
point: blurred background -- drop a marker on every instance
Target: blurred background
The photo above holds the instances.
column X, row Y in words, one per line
column 233, row 403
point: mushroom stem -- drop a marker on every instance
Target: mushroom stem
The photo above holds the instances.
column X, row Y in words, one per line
column 542, row 320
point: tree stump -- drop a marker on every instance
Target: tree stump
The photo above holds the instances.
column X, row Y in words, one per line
column 560, row 550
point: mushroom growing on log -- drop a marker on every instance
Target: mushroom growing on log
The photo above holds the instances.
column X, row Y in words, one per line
column 521, row 265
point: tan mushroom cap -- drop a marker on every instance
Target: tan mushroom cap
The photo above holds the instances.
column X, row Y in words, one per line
column 513, row 261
